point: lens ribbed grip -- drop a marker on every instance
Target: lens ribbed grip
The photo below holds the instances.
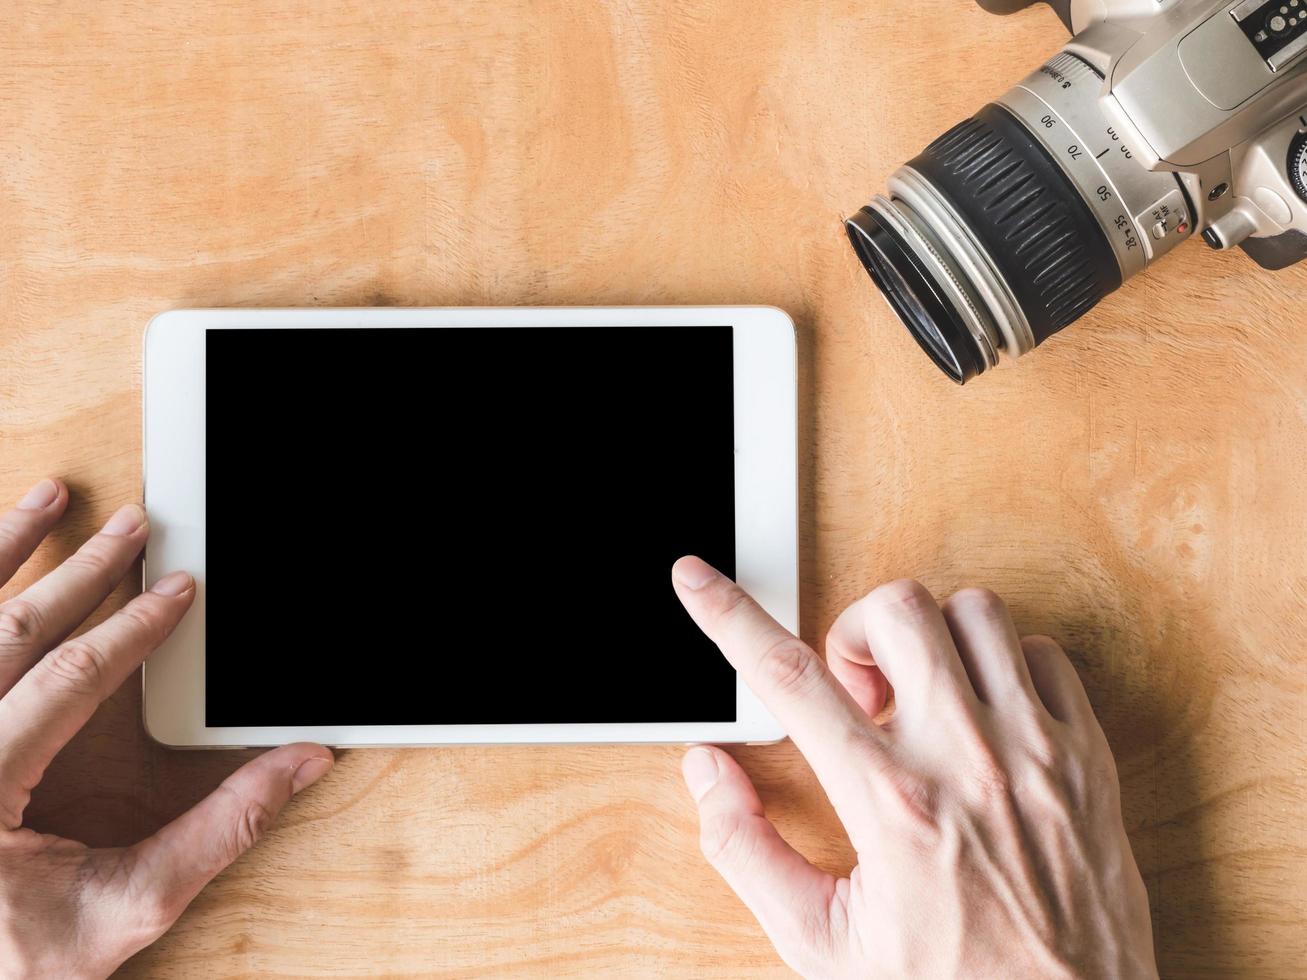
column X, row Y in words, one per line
column 1027, row 214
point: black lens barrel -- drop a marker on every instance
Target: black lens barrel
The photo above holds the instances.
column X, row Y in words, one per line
column 1037, row 228
column 1020, row 207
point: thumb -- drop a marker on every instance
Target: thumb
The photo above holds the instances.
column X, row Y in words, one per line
column 790, row 898
column 175, row 863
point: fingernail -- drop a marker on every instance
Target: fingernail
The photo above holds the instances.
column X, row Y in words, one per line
column 694, row 573
column 309, row 772
column 125, row 521
column 40, row 496
column 700, row 770
column 174, row 583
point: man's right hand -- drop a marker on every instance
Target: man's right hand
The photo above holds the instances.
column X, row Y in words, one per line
column 985, row 813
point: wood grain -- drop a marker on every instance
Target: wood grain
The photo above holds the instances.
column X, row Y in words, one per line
column 1135, row 487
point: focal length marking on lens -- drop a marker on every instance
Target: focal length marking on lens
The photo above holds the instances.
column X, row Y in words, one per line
column 1138, row 209
column 1088, row 173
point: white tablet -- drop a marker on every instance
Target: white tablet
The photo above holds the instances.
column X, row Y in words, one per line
column 435, row 526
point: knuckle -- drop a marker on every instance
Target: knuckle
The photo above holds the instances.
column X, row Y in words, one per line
column 244, row 822
column 1047, row 656
column 905, row 597
column 1039, row 645
column 144, row 614
column 76, row 665
column 96, row 559
column 914, row 803
column 1061, row 774
column 978, row 602
column 20, row 622
column 729, row 601
column 254, row 821
column 1044, row 747
column 1049, row 787
column 789, row 666
column 12, row 537
column 723, row 838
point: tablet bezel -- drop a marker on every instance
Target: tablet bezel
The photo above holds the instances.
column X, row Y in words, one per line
column 174, row 463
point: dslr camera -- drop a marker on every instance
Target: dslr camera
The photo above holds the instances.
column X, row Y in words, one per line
column 1160, row 118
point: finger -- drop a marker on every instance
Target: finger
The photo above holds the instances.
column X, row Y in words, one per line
column 791, row 680
column 850, row 660
column 987, row 642
column 175, row 863
column 51, row 608
column 56, row 697
column 790, row 898
column 22, row 528
column 905, row 632
column 1056, row 681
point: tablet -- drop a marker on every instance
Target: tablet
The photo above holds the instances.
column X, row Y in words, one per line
column 437, row 526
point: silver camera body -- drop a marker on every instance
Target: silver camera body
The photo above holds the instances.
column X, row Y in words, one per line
column 1158, row 120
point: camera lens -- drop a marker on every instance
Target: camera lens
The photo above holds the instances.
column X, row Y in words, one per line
column 913, row 293
column 1015, row 223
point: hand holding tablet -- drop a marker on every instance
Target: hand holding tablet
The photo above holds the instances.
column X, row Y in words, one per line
column 67, row 910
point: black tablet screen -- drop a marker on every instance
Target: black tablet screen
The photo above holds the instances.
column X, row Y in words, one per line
column 464, row 526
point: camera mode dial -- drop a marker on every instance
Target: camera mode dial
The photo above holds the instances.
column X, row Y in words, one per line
column 1298, row 164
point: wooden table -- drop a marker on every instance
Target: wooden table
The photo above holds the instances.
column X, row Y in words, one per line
column 1136, row 487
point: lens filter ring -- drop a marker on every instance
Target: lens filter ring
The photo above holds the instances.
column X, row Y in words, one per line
column 915, row 291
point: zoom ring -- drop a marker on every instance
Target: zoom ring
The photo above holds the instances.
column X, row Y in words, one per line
column 1026, row 214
